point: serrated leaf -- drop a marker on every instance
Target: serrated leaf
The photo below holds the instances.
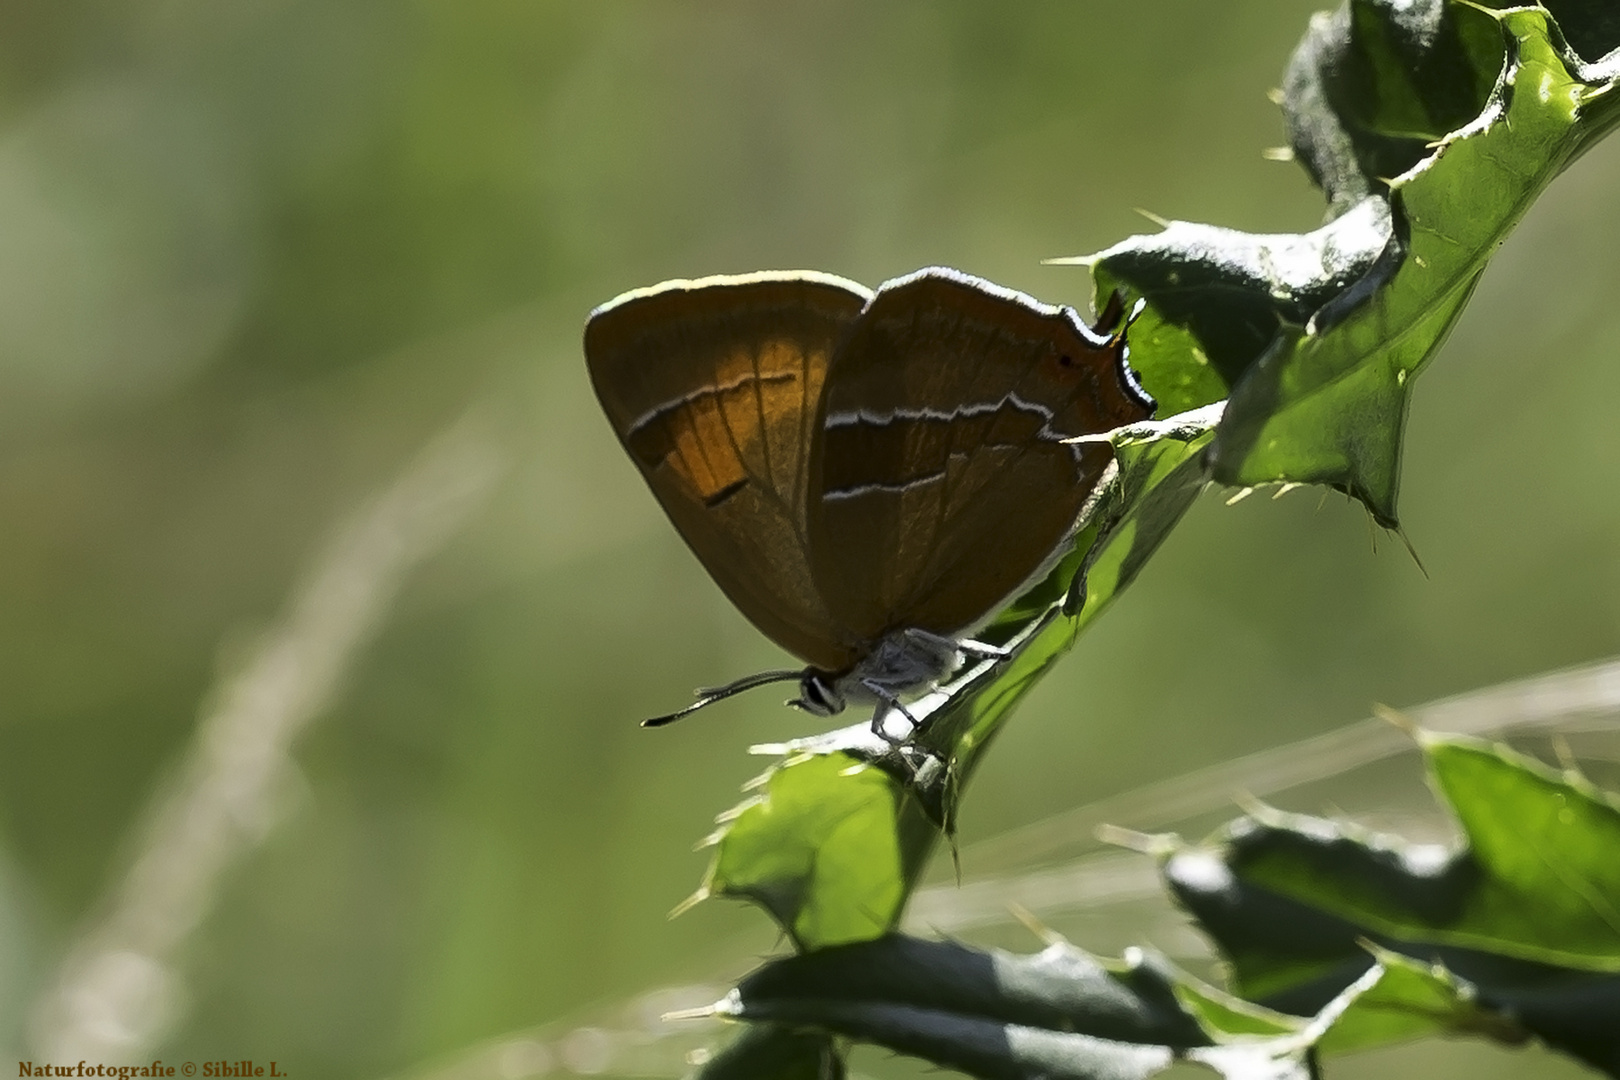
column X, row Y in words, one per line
column 1218, row 298
column 1063, row 1014
column 1375, row 82
column 1537, row 878
column 824, row 849
column 1592, row 26
column 1548, row 846
column 1330, row 406
column 1321, row 335
column 1410, row 1000
column 1060, row 1013
column 836, row 836
column 1523, row 911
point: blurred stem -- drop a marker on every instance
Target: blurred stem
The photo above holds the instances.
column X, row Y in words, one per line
column 117, row 991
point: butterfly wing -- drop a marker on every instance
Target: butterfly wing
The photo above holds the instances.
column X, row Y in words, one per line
column 941, row 484
column 712, row 386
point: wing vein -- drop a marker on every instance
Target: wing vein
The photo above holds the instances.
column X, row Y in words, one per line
column 759, row 407
column 731, row 436
column 943, row 514
column 808, row 411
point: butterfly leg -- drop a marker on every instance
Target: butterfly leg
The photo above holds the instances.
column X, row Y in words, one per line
column 946, row 646
column 887, row 701
column 982, row 651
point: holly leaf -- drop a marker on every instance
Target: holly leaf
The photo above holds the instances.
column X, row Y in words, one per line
column 1524, row 908
column 1320, row 336
column 1063, row 1014
column 1373, row 85
column 1219, row 298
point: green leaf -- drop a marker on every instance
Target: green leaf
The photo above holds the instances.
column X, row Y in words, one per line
column 1537, row 878
column 1161, row 472
column 1523, row 910
column 1060, row 1013
column 1408, row 1000
column 1592, row 26
column 763, row 1050
column 1374, row 83
column 824, row 849
column 1064, row 1014
column 1330, row 405
column 1548, row 846
column 1218, row 298
column 1320, row 336
column 836, row 835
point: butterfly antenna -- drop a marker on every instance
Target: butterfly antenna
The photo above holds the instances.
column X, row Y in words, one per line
column 711, row 695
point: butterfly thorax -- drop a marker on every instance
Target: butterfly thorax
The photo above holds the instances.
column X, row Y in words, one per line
column 901, row 664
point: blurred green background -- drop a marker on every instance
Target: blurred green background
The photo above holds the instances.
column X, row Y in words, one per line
column 255, row 255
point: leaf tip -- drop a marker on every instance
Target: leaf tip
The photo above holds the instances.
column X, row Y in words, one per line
column 770, row 749
column 1574, row 775
column 1156, row 844
column 689, row 903
column 1252, row 805
column 700, row 1012
column 1031, row 922
column 726, row 817
column 730, row 1005
column 1394, row 716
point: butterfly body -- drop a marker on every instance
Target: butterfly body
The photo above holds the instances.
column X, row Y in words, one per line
column 898, row 664
column 867, row 476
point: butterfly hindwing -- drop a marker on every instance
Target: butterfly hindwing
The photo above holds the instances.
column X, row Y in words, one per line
column 712, row 386
column 942, row 482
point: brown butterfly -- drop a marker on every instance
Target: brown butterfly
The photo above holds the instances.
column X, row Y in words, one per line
column 868, row 476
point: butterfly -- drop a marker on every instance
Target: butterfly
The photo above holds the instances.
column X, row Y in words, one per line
column 868, row 476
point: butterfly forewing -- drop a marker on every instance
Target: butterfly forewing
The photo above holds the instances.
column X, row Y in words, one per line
column 941, row 481
column 712, row 386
